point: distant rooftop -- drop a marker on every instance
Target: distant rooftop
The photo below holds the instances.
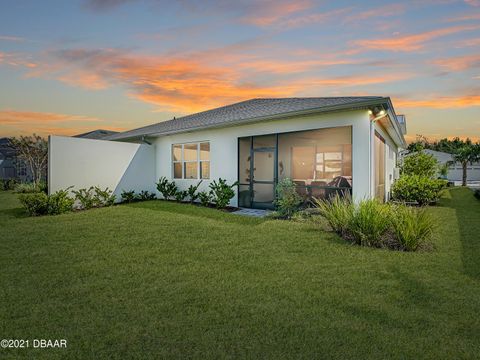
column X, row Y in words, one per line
column 96, row 134
column 251, row 110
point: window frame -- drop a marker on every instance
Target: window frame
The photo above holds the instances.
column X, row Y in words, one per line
column 183, row 162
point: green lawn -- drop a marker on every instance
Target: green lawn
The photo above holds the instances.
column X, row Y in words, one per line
column 164, row 280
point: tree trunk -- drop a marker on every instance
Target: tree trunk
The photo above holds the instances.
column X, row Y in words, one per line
column 464, row 177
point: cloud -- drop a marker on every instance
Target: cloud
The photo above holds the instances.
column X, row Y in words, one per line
column 414, row 42
column 440, row 102
column 459, row 63
column 11, row 38
column 475, row 3
column 269, row 12
column 196, row 81
column 15, row 59
column 19, row 122
column 377, row 12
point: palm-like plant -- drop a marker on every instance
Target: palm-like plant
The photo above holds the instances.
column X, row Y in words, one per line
column 468, row 153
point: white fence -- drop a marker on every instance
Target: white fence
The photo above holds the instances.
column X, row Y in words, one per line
column 82, row 163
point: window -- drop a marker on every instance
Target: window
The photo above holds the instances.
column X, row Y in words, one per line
column 191, row 161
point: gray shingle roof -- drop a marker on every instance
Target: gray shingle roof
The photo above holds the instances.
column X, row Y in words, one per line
column 247, row 111
column 96, row 134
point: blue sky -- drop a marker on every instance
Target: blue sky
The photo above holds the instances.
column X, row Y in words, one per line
column 72, row 66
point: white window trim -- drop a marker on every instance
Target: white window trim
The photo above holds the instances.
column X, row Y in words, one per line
column 182, row 160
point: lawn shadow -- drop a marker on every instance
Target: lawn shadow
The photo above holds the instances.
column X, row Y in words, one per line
column 196, row 211
column 467, row 210
column 13, row 213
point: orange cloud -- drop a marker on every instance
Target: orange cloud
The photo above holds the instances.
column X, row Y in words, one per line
column 14, row 122
column 14, row 59
column 377, row 12
column 473, row 2
column 412, row 42
column 195, row 82
column 459, row 63
column 269, row 12
column 440, row 102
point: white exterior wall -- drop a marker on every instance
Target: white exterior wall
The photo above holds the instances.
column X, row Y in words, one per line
column 224, row 147
column 84, row 162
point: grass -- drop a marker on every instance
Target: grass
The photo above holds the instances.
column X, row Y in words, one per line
column 163, row 280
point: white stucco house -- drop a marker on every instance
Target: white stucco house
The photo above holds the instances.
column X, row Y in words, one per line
column 455, row 170
column 323, row 144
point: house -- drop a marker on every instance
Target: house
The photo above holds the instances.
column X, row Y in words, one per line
column 96, row 134
column 326, row 145
column 10, row 166
column 455, row 170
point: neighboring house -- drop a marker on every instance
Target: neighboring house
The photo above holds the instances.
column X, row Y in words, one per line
column 96, row 134
column 455, row 170
column 10, row 166
column 326, row 145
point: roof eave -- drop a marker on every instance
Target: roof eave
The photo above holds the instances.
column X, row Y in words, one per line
column 324, row 109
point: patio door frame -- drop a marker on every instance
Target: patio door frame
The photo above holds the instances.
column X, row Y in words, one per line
column 273, row 182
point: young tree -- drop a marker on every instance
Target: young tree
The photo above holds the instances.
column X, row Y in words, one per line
column 468, row 153
column 33, row 151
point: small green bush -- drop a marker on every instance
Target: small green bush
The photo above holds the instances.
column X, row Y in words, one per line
column 221, row 193
column 167, row 188
column 192, row 192
column 421, row 164
column 35, row 204
column 94, row 197
column 60, row 202
column 417, row 189
column 128, row 196
column 180, row 195
column 103, row 197
column 8, row 184
column 205, row 198
column 371, row 223
column 85, row 197
column 26, row 188
column 145, row 195
column 411, row 227
column 338, row 212
column 287, row 201
column 40, row 203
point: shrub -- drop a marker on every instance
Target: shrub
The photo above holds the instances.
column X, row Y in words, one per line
column 94, row 197
column 221, row 193
column 205, row 198
column 181, row 195
column 103, row 197
column 166, row 188
column 338, row 212
column 420, row 163
column 35, row 204
column 411, row 227
column 145, row 195
column 85, row 197
column 418, row 189
column 40, row 203
column 60, row 202
column 8, row 184
column 370, row 223
column 288, row 200
column 476, row 193
column 26, row 188
column 128, row 196
column 192, row 192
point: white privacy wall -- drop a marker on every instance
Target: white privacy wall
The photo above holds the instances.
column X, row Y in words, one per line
column 224, row 146
column 84, row 162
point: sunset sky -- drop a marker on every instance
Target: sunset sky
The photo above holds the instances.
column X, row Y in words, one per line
column 68, row 67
